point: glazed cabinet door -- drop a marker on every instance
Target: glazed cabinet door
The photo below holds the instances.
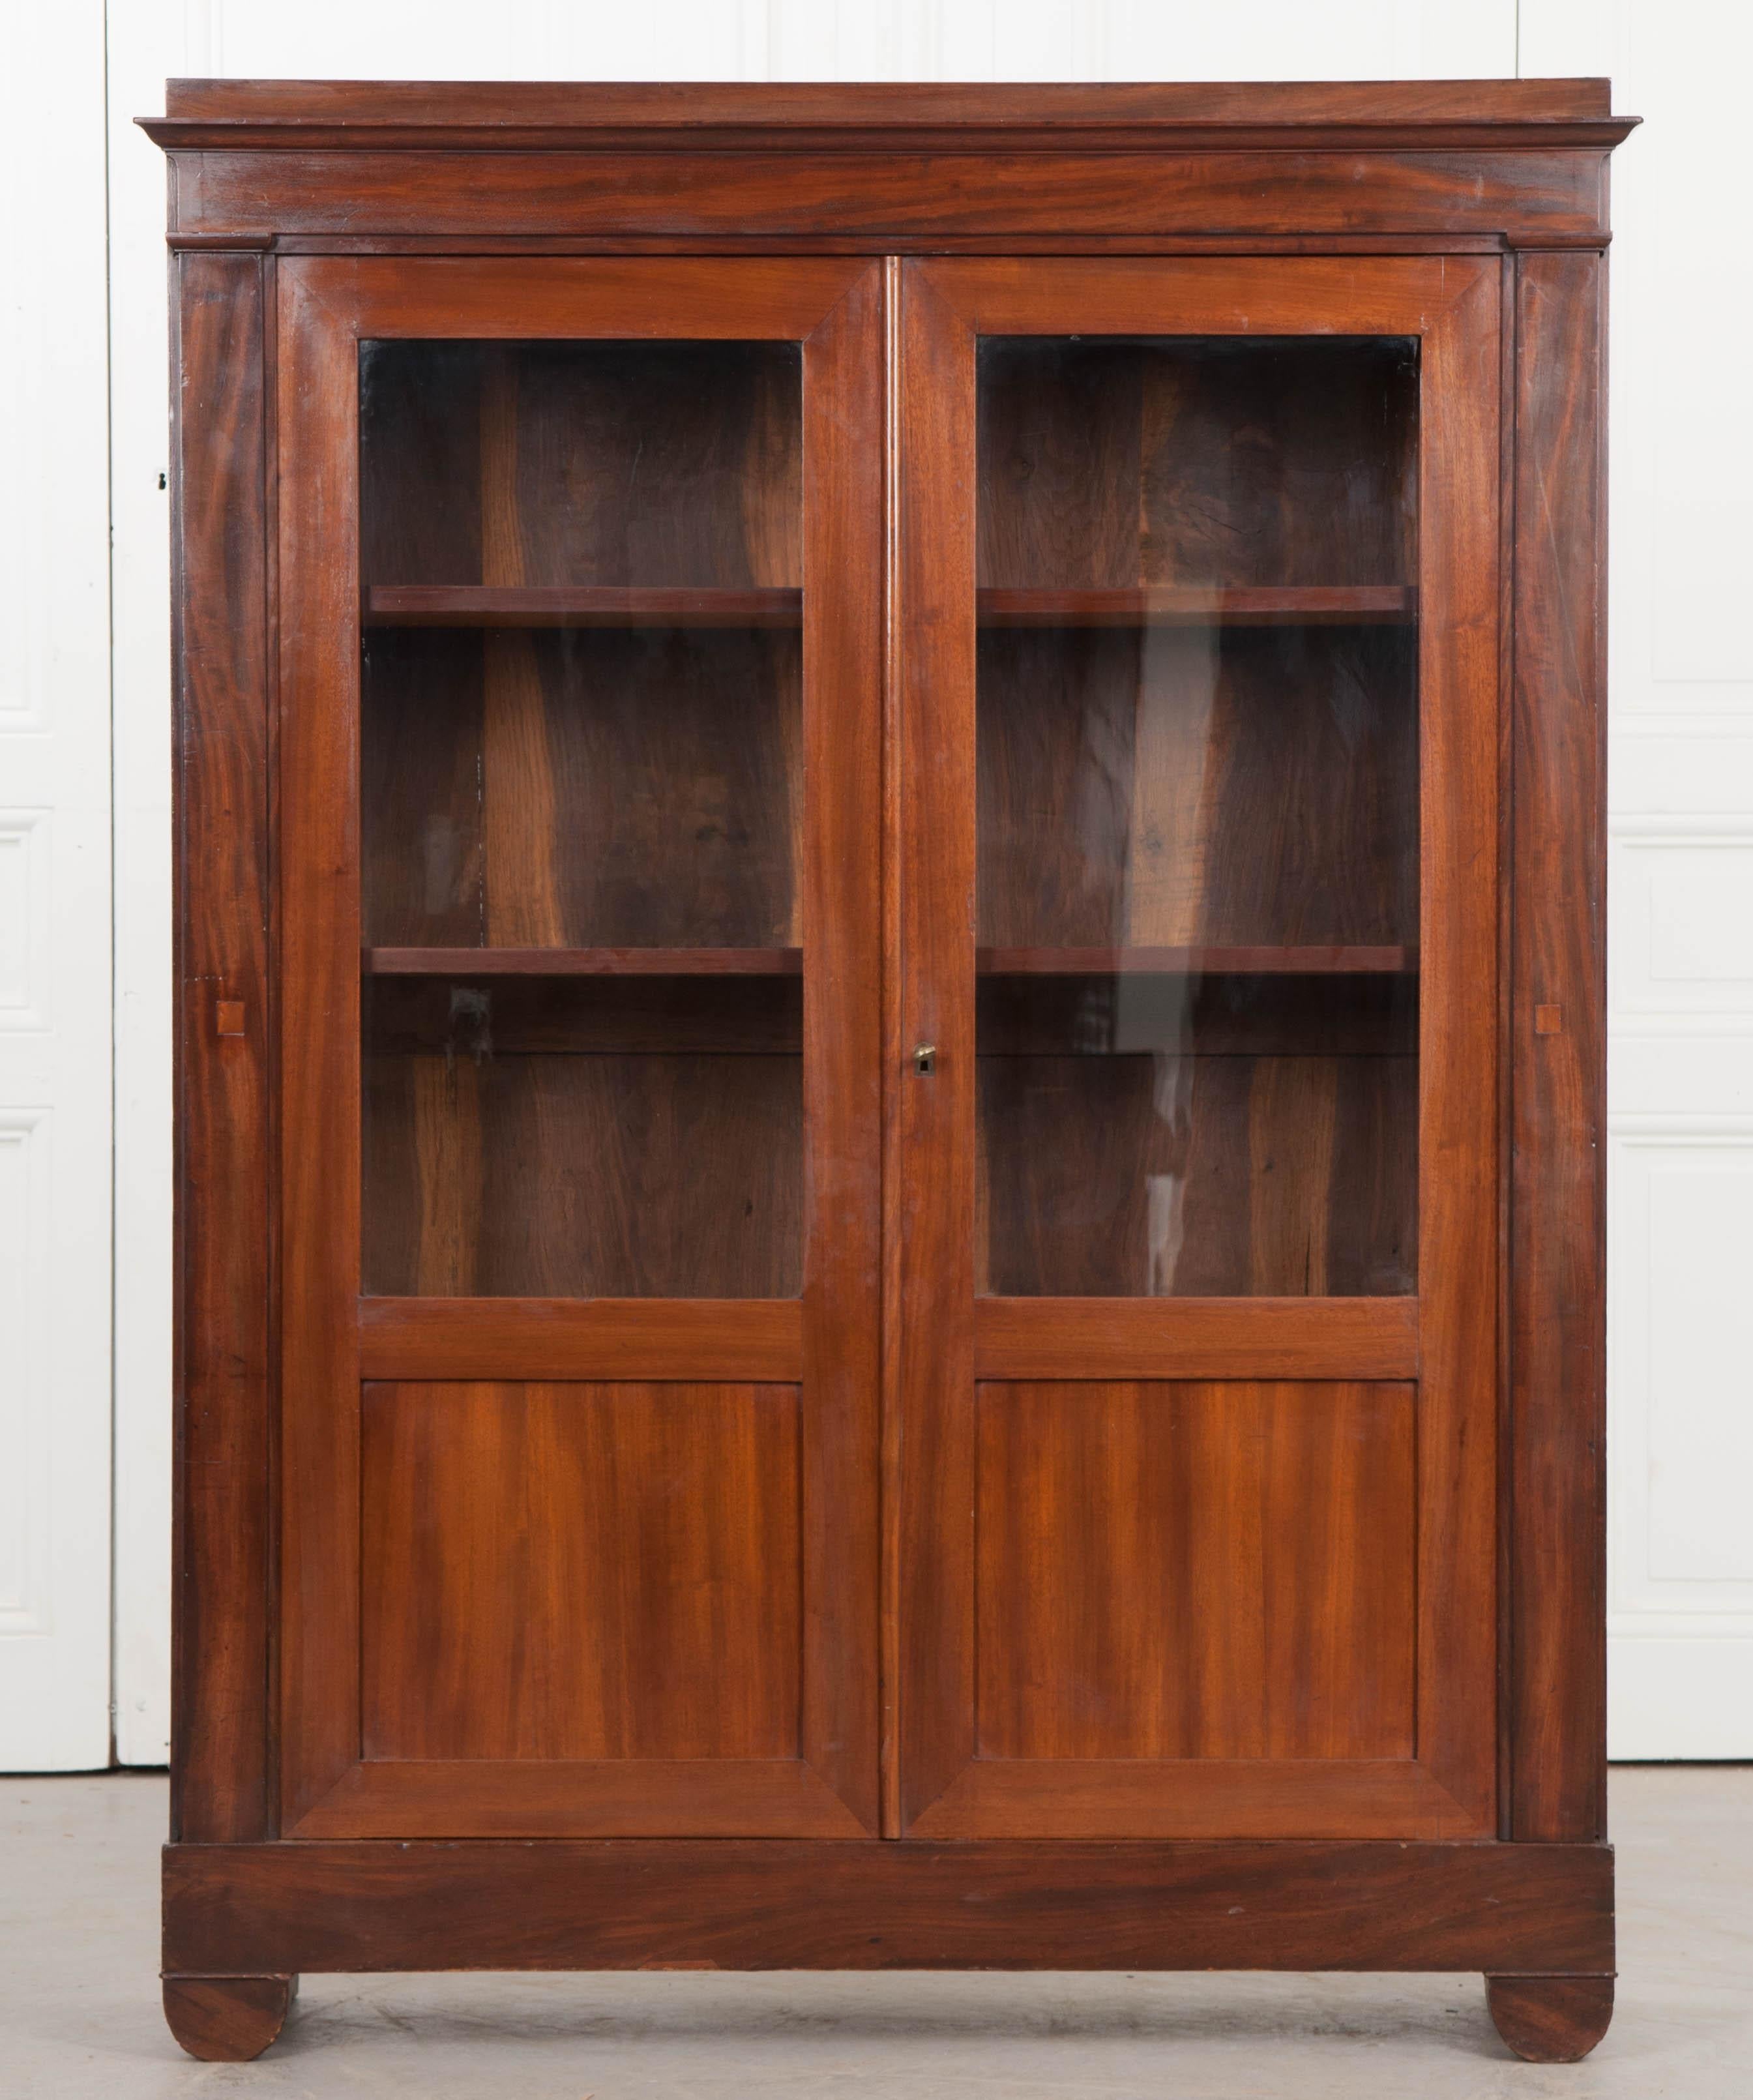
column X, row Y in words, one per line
column 1194, row 1048
column 579, row 587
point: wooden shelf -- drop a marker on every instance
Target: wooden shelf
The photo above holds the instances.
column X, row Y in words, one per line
column 482, row 605
column 990, row 962
column 1317, row 605
column 583, row 962
column 1202, row 962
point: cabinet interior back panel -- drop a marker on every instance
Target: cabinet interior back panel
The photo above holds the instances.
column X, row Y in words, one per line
column 582, row 462
column 583, row 1173
column 1166, row 1175
column 1218, row 461
column 615, row 787
column 1163, row 786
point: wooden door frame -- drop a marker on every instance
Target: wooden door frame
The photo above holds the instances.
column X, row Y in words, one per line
column 946, row 1339
column 331, row 1338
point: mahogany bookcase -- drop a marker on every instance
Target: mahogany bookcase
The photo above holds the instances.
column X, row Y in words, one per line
column 890, row 1033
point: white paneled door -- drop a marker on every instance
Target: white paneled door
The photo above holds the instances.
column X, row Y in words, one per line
column 54, row 909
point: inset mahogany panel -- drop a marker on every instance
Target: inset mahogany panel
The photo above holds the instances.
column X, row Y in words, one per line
column 580, row 1572
column 1195, row 1571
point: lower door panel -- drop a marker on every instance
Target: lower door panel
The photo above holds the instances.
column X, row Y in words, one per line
column 1177, row 1571
column 1195, row 1613
column 580, row 1614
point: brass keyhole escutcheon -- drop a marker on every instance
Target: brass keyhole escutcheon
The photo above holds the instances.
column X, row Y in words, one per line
column 924, row 1058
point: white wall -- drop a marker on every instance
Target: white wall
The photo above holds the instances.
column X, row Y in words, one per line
column 1681, row 878
column 55, row 907
column 1682, row 842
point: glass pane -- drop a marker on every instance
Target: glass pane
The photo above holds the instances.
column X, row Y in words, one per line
column 580, row 782
column 1198, row 871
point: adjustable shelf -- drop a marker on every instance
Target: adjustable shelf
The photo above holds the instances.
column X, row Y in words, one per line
column 1314, row 605
column 582, row 962
column 494, row 605
column 1262, row 961
column 1309, row 961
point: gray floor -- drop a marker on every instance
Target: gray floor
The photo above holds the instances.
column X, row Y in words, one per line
column 79, row 2006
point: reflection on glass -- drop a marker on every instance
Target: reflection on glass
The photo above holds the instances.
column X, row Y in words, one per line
column 1198, row 817
column 580, row 792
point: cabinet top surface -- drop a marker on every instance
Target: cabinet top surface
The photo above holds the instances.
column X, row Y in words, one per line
column 300, row 114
